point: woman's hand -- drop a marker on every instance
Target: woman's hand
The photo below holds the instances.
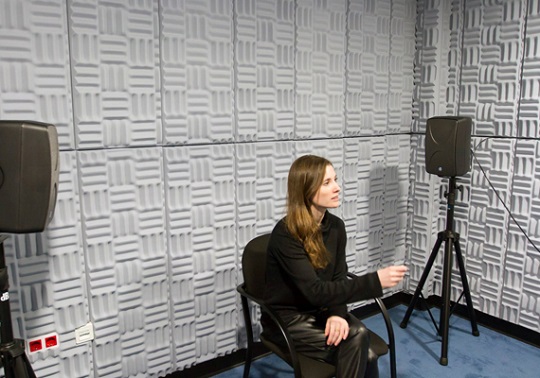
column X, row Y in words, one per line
column 337, row 329
column 392, row 275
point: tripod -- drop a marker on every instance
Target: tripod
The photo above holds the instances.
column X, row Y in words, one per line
column 451, row 239
column 14, row 359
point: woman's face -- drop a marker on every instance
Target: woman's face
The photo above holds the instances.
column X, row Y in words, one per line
column 327, row 197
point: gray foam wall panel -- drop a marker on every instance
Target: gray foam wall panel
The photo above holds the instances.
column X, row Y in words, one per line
column 264, row 69
column 475, row 59
column 201, row 232
column 197, row 67
column 114, row 57
column 319, row 68
column 124, row 236
column 34, row 64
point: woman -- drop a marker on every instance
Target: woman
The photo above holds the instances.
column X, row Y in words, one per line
column 306, row 274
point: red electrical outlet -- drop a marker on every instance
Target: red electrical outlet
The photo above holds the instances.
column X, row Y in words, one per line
column 35, row 345
column 51, row 341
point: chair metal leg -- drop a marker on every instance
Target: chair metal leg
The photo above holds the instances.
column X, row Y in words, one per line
column 249, row 333
column 391, row 338
column 393, row 368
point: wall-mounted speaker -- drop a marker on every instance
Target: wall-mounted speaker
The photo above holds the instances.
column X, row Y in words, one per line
column 448, row 146
column 29, row 170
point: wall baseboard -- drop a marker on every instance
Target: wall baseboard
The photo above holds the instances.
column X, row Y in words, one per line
column 220, row 364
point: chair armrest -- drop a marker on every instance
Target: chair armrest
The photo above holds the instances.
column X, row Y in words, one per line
column 389, row 330
column 388, row 322
column 295, row 362
column 384, row 312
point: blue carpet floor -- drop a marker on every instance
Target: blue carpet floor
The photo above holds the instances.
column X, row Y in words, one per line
column 418, row 350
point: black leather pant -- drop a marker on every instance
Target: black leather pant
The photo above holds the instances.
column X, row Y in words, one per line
column 353, row 357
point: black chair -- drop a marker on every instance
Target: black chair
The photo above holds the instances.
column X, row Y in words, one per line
column 254, row 267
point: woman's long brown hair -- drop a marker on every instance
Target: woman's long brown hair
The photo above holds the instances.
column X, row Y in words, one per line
column 306, row 176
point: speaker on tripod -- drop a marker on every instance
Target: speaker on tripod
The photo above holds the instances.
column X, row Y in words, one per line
column 448, row 146
column 448, row 141
column 29, row 171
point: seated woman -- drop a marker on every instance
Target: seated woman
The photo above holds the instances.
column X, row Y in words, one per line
column 306, row 274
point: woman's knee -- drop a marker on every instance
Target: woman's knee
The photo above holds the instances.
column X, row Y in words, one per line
column 359, row 329
column 372, row 357
column 359, row 333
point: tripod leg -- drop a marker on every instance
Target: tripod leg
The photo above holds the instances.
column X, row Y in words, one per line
column 422, row 281
column 445, row 310
column 466, row 290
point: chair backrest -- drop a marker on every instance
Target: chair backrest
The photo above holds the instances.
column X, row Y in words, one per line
column 254, row 265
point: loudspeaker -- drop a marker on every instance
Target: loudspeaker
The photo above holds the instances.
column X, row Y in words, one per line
column 29, row 170
column 448, row 146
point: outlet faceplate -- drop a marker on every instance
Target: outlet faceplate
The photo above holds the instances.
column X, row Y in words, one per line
column 84, row 334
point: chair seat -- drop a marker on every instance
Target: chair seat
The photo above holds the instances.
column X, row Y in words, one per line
column 377, row 344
